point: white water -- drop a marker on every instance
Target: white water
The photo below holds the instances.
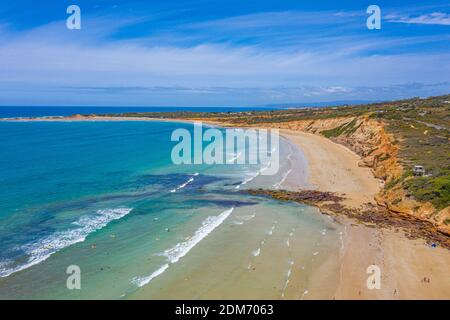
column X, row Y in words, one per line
column 181, row 249
column 182, row 185
column 256, row 252
column 42, row 249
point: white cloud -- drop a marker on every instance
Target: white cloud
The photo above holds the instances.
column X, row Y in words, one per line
column 53, row 65
column 437, row 18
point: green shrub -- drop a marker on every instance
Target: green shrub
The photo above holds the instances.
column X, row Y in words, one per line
column 433, row 189
column 347, row 129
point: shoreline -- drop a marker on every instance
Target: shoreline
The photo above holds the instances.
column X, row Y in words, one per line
column 334, row 168
column 411, row 269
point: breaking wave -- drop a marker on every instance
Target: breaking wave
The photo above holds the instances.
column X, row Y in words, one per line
column 43, row 248
column 181, row 249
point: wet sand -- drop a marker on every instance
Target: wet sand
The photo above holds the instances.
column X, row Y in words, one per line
column 269, row 256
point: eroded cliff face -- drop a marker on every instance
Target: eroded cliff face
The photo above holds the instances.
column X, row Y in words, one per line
column 379, row 151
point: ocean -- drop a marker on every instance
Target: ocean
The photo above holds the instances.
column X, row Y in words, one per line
column 106, row 197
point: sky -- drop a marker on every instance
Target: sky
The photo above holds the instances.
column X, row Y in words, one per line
column 221, row 53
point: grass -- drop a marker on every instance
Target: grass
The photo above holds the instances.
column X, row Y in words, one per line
column 347, row 129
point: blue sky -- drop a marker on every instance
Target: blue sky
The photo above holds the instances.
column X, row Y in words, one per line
column 221, row 53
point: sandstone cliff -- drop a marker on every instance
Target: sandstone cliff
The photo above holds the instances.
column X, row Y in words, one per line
column 378, row 149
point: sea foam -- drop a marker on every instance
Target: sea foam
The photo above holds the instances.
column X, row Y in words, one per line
column 209, row 224
column 182, row 185
column 247, row 180
column 181, row 249
column 43, row 248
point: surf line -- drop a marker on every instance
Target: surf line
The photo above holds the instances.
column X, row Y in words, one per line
column 178, row 251
column 184, row 184
column 237, row 156
column 248, row 179
column 286, row 174
column 288, row 276
column 257, row 251
column 43, row 248
column 291, row 263
column 283, row 179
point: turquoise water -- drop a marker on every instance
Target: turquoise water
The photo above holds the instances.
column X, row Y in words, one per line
column 106, row 197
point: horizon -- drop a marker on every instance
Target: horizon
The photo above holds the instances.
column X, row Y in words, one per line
column 269, row 105
column 213, row 54
column 294, row 105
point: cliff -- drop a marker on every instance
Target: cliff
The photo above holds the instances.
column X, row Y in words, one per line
column 379, row 150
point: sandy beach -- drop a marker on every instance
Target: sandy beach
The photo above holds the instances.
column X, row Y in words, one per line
column 409, row 269
column 334, row 168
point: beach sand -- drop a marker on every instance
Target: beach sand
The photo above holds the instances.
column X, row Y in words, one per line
column 333, row 167
column 409, row 269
